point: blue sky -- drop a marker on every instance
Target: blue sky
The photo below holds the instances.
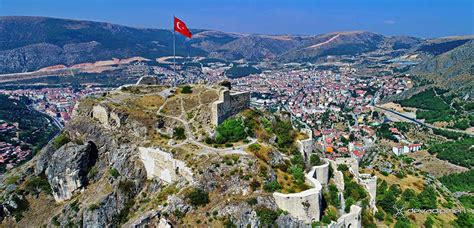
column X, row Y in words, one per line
column 422, row 18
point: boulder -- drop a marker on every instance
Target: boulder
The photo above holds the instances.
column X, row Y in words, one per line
column 68, row 167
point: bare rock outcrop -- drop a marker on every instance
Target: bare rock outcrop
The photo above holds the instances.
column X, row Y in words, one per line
column 67, row 169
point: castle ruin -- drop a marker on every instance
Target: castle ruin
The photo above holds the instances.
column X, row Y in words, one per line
column 229, row 104
column 307, row 205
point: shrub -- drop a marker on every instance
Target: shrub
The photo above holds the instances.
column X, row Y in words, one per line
column 379, row 215
column 254, row 185
column 267, row 216
column 254, row 147
column 12, row 180
column 342, row 167
column 186, row 89
column 231, row 130
column 93, row 207
column 114, row 172
column 126, row 186
column 252, row 201
column 179, row 133
column 315, row 160
column 198, row 197
column 272, row 186
column 55, row 221
column 298, row 174
column 333, row 195
column 61, row 140
column 35, row 183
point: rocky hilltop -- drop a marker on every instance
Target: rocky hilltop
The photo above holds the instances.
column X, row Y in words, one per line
column 143, row 155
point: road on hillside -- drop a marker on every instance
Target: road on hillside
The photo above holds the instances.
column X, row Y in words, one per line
column 413, row 120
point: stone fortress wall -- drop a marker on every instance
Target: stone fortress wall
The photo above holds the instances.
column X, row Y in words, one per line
column 305, row 146
column 321, row 173
column 305, row 205
column 162, row 165
column 353, row 219
column 367, row 181
column 229, row 104
column 108, row 119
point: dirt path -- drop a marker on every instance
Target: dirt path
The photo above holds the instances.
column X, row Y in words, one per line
column 190, row 138
column 325, row 42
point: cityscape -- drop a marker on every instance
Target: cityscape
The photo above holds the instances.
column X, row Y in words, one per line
column 236, row 114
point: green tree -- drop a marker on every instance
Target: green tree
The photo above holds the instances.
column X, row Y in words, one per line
column 198, row 197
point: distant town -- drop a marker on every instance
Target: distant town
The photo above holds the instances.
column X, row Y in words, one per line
column 336, row 103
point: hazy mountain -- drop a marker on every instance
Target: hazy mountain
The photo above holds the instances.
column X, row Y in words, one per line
column 31, row 43
column 258, row 47
column 343, row 43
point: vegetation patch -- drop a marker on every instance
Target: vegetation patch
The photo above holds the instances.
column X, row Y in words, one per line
column 61, row 140
column 459, row 152
column 459, row 182
column 231, row 130
column 198, row 197
column 267, row 216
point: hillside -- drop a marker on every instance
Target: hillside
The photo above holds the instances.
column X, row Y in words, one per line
column 114, row 164
column 32, row 43
column 344, row 43
column 452, row 69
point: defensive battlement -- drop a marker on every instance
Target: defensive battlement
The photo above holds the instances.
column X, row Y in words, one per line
column 229, row 104
column 305, row 146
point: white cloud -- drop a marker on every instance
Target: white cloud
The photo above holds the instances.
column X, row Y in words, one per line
column 389, row 22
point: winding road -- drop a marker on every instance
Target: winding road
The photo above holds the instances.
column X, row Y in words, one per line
column 413, row 120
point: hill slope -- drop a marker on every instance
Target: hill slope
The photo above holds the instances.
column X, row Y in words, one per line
column 31, row 43
column 452, row 69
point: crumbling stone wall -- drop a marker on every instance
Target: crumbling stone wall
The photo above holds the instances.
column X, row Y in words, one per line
column 349, row 220
column 229, row 104
column 305, row 205
column 369, row 182
column 108, row 119
column 162, row 165
column 306, row 146
column 321, row 173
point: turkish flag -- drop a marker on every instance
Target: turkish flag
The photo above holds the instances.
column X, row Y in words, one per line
column 180, row 26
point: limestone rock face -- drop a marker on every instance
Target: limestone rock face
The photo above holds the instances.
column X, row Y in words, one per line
column 103, row 216
column 67, row 169
column 44, row 158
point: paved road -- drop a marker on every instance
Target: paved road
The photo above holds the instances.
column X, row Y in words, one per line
column 413, row 120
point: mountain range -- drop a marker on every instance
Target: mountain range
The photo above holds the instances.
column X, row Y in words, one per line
column 31, row 43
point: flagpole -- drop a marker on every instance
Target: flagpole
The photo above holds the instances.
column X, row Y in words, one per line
column 174, row 54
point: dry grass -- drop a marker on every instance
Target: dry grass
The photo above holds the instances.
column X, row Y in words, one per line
column 435, row 166
column 190, row 102
column 209, row 96
column 301, row 136
column 409, row 182
column 151, row 102
column 262, row 153
column 172, row 107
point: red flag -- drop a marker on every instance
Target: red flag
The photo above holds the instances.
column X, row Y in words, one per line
column 180, row 26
